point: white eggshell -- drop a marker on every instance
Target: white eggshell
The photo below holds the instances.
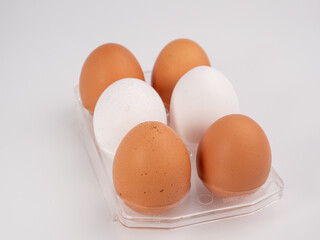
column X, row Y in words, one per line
column 123, row 105
column 200, row 97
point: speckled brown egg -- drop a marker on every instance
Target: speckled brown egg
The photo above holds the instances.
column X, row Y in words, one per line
column 175, row 59
column 105, row 65
column 234, row 156
column 151, row 168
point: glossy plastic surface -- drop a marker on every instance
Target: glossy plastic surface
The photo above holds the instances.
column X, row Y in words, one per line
column 199, row 206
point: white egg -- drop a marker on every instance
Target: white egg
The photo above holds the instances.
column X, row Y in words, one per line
column 200, row 97
column 123, row 105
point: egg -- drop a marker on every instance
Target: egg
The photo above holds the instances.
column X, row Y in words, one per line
column 105, row 65
column 201, row 96
column 234, row 156
column 123, row 105
column 175, row 59
column 151, row 169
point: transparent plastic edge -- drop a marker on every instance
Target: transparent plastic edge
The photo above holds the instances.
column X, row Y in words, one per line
column 95, row 158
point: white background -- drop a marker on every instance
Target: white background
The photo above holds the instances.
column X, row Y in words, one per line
column 268, row 49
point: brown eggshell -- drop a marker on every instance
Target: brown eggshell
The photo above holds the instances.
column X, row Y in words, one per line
column 175, row 59
column 234, row 156
column 151, row 168
column 105, row 65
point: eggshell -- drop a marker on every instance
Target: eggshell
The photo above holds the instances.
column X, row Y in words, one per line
column 123, row 105
column 234, row 156
column 105, row 65
column 175, row 59
column 201, row 96
column 151, row 168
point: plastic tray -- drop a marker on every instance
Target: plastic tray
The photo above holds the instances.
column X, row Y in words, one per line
column 199, row 205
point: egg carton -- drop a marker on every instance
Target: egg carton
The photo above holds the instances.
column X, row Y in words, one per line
column 199, row 206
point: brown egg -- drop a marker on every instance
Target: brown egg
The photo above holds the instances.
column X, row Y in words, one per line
column 234, row 156
column 151, row 168
column 105, row 65
column 175, row 59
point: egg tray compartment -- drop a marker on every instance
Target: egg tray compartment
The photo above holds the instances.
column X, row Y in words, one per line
column 199, row 206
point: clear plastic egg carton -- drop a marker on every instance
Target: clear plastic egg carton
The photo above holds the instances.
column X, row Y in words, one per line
column 199, row 206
